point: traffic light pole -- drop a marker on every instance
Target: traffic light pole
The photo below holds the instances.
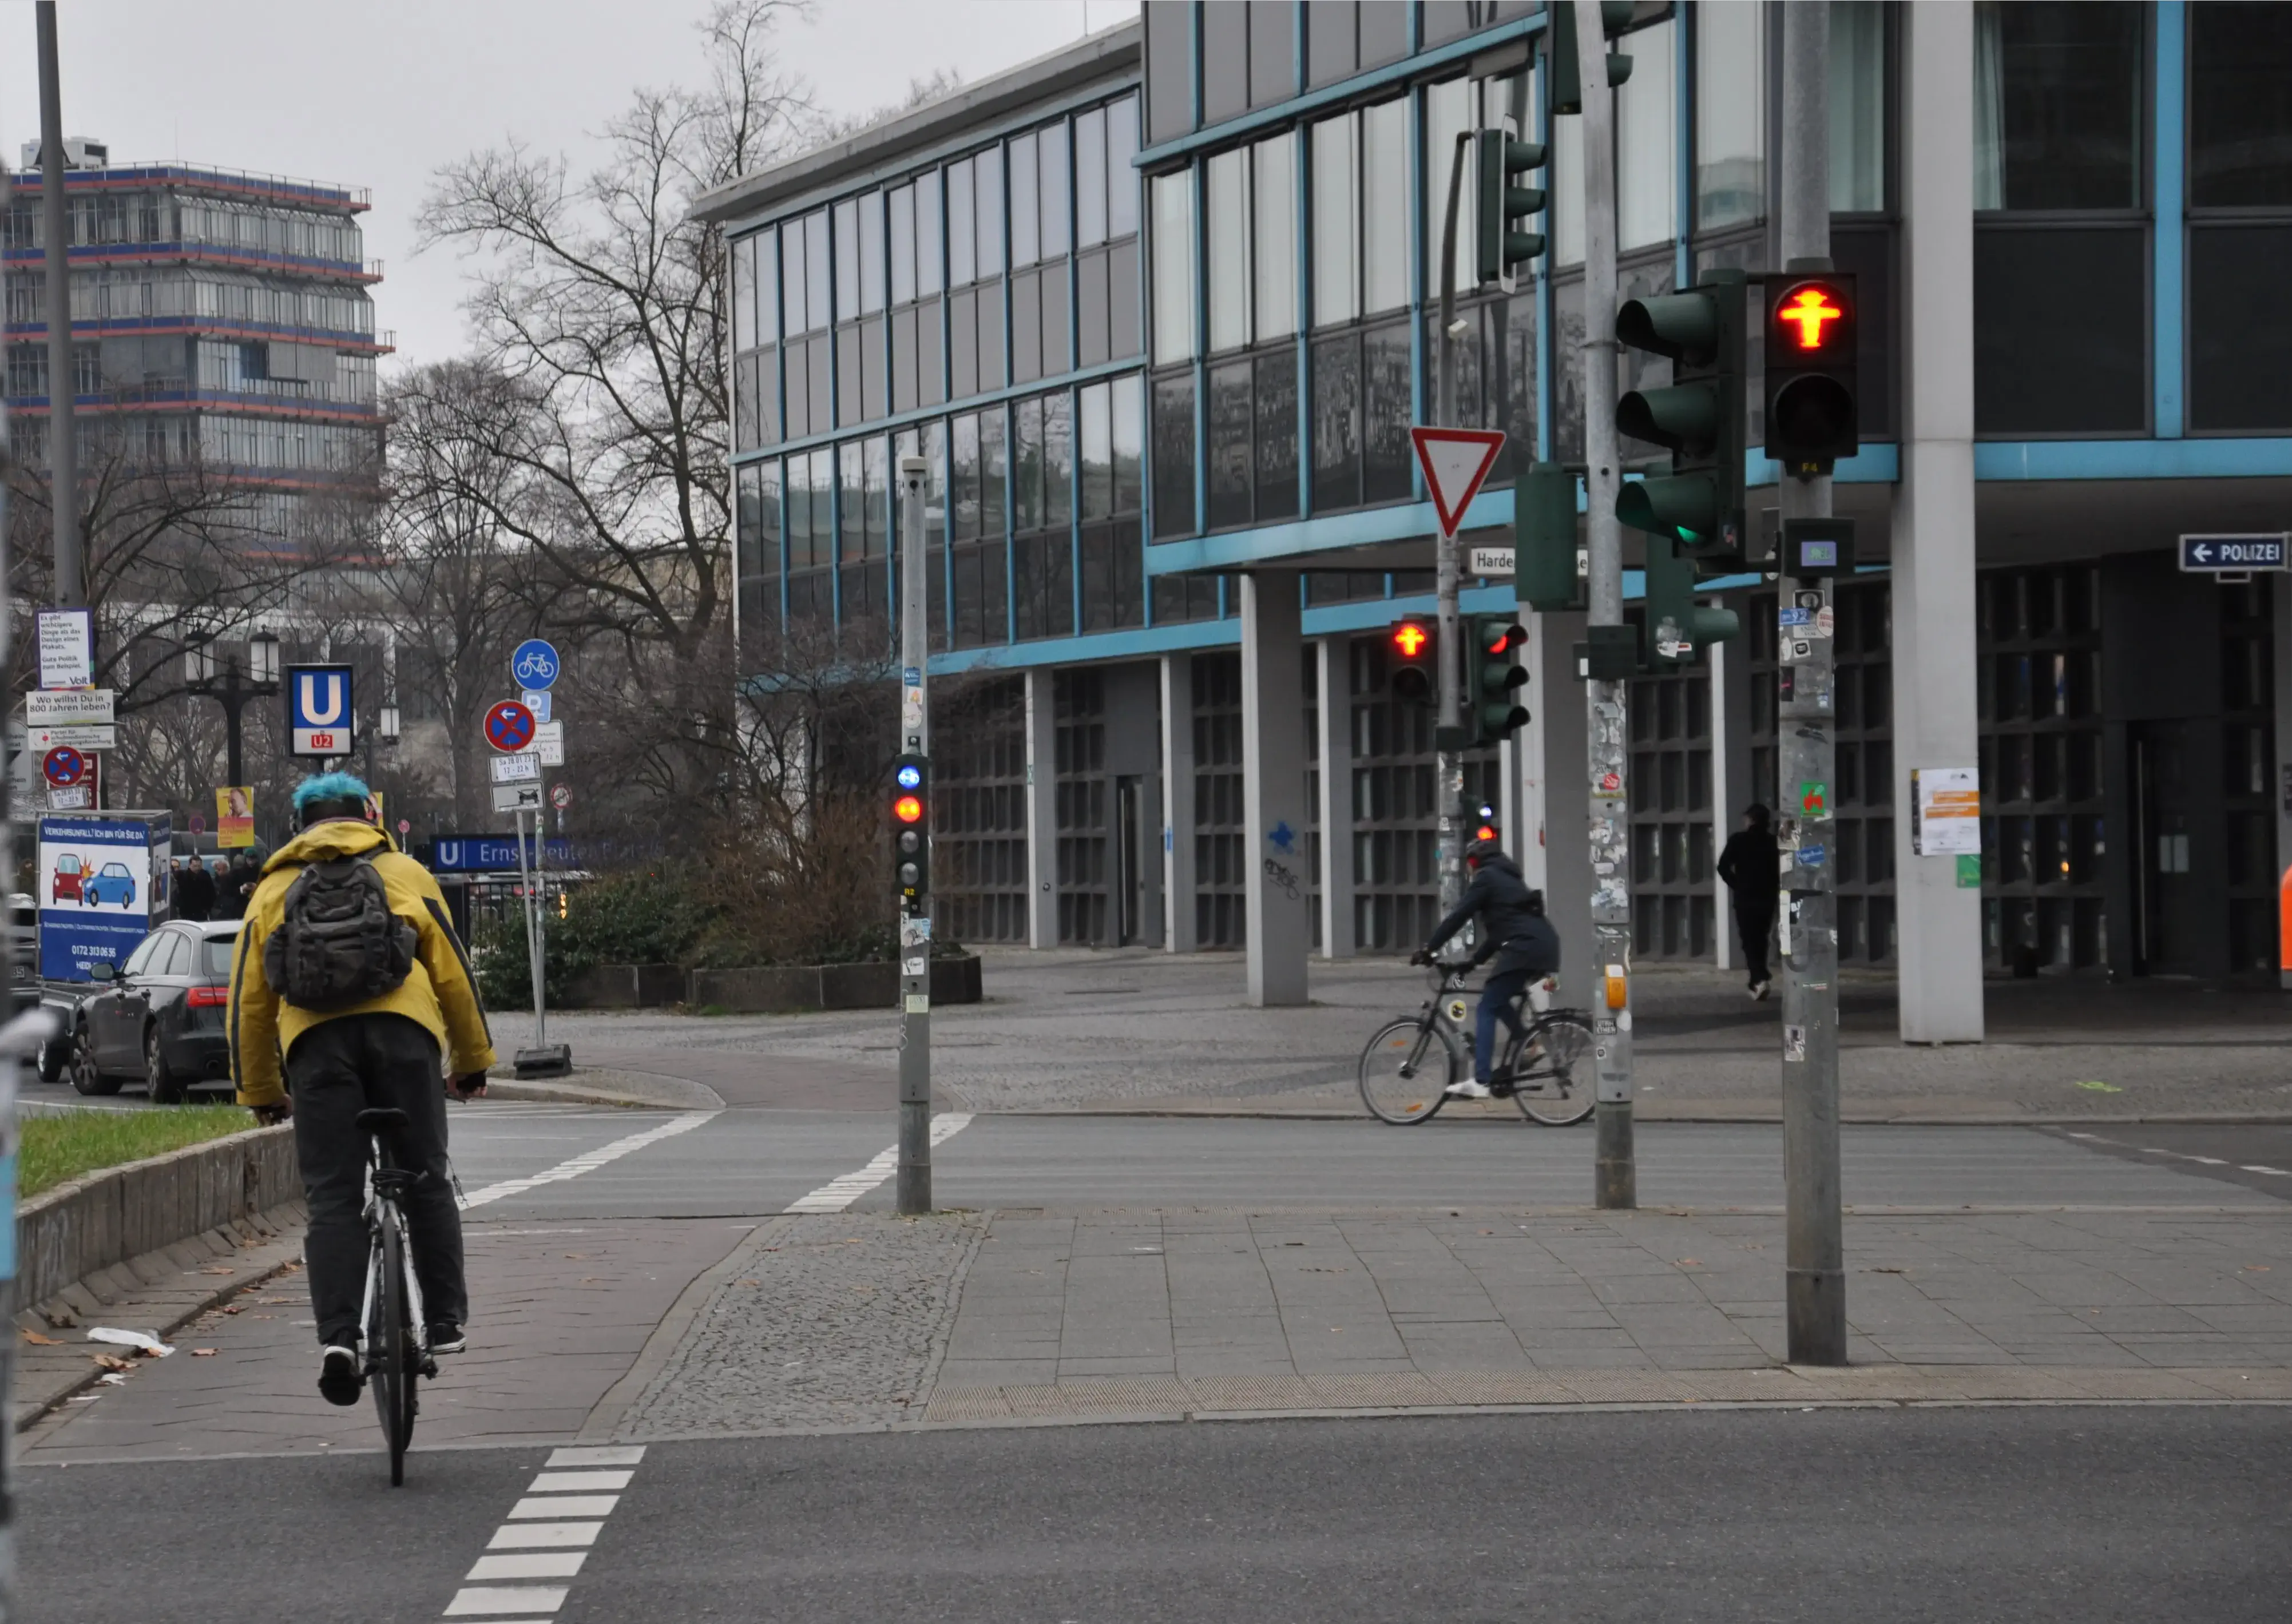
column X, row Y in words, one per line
column 1615, row 1181
column 1815, row 1288
column 1449, row 578
column 914, row 1177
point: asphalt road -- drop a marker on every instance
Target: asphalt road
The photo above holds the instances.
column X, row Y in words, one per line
column 2077, row 1514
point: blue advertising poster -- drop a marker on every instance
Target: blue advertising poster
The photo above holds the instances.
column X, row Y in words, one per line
column 102, row 885
column 489, row 854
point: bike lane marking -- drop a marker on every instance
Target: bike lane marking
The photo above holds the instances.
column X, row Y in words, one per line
column 590, row 1161
column 838, row 1194
column 548, row 1535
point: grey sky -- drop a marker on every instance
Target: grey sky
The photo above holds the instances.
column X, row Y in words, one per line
column 379, row 95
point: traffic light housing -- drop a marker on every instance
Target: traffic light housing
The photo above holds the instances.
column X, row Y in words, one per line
column 1493, row 676
column 1699, row 419
column 1503, row 207
column 1413, row 646
column 911, row 825
column 1812, row 411
column 1566, row 77
column 1675, row 627
column 1545, row 575
column 1485, row 827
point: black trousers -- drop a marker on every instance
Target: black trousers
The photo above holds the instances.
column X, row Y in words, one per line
column 336, row 1070
column 1755, row 929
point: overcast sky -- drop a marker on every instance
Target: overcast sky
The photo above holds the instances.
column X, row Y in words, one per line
column 381, row 94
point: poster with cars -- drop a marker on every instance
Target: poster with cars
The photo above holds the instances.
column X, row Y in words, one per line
column 102, row 885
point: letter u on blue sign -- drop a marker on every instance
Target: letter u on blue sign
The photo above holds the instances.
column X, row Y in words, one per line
column 319, row 698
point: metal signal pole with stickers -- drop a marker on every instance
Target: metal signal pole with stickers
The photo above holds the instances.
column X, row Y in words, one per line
column 911, row 844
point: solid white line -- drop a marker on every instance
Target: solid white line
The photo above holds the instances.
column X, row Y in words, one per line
column 2279, row 1171
column 529, row 1565
column 526, row 1536
column 838, row 1194
column 568, row 1483
column 544, row 1507
column 592, row 1160
column 523, row 1601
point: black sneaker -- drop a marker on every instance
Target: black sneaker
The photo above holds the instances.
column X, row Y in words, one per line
column 446, row 1337
column 340, row 1379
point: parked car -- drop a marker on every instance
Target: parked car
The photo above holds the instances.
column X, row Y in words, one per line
column 162, row 1019
column 66, row 887
column 112, row 883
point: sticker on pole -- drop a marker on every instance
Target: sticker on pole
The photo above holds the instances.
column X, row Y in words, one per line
column 1455, row 462
column 509, row 727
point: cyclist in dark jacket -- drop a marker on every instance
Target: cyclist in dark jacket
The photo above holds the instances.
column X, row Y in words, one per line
column 1512, row 931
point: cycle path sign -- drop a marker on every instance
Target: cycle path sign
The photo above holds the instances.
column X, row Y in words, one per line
column 535, row 664
column 509, row 727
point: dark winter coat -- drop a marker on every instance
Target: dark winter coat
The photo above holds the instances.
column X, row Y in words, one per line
column 194, row 892
column 1752, row 870
column 1513, row 927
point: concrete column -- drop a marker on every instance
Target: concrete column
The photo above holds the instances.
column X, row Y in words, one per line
column 1042, row 810
column 1935, row 724
column 2280, row 585
column 1557, row 798
column 1732, row 789
column 1333, row 680
column 1274, row 877
column 1178, row 802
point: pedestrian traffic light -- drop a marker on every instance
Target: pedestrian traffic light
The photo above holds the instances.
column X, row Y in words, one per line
column 1675, row 627
column 1504, row 208
column 1485, row 827
column 1415, row 675
column 911, row 825
column 1812, row 416
column 1699, row 419
column 1566, row 78
column 1546, row 572
column 1493, row 677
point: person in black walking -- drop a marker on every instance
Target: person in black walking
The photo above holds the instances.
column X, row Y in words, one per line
column 1754, row 873
column 195, row 890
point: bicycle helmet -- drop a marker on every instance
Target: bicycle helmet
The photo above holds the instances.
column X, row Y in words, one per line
column 1481, row 851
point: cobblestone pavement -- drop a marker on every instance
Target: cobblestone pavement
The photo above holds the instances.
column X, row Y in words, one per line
column 827, row 1322
column 1134, row 1029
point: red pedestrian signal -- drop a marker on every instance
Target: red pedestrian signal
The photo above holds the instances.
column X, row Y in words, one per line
column 1809, row 308
column 1410, row 638
column 1415, row 677
column 1813, row 417
column 907, row 810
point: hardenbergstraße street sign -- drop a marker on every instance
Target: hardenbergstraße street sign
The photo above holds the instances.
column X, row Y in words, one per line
column 1491, row 562
column 2213, row 555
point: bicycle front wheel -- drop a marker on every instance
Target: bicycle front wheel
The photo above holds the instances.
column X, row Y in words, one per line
column 1557, row 1083
column 1405, row 1071
column 390, row 1347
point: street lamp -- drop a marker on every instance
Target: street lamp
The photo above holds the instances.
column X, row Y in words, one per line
column 386, row 724
column 220, row 679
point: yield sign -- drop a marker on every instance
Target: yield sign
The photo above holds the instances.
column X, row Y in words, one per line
column 1455, row 462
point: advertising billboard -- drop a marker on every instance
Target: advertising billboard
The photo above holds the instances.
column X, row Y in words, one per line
column 102, row 885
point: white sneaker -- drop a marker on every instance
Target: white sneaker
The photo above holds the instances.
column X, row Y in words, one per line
column 1468, row 1090
column 1759, row 992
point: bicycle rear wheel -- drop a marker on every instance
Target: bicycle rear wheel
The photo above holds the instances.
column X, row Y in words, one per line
column 390, row 1347
column 1555, row 1084
column 1405, row 1070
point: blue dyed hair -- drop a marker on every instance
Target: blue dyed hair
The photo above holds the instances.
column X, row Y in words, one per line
column 329, row 795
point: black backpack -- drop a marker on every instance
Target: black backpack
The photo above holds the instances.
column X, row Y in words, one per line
column 338, row 944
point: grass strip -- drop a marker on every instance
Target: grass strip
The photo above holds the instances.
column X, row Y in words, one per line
column 53, row 1149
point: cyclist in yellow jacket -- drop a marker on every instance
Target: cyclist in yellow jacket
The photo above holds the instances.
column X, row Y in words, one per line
column 382, row 1051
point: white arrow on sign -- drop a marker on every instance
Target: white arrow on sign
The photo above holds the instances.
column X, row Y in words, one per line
column 1455, row 462
column 2203, row 552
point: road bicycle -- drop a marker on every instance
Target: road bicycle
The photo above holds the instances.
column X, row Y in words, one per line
column 1545, row 1069
column 396, row 1330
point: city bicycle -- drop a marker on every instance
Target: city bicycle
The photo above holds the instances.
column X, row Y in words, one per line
column 397, row 1332
column 1545, row 1069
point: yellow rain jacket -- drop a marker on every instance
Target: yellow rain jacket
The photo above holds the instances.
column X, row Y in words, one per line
column 438, row 992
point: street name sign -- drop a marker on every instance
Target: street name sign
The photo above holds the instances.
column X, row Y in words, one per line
column 2214, row 555
column 1491, row 562
column 1455, row 462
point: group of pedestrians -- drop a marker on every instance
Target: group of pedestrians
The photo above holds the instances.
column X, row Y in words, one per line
column 202, row 892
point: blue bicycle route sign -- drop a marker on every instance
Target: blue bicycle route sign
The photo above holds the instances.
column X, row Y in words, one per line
column 535, row 664
column 2233, row 554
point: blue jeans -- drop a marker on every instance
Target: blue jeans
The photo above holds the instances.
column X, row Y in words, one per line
column 1496, row 999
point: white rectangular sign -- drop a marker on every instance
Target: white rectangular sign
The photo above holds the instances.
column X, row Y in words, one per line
column 524, row 767
column 549, row 739
column 81, row 736
column 1946, row 811
column 1491, row 562
column 69, row 707
column 517, row 797
column 66, row 648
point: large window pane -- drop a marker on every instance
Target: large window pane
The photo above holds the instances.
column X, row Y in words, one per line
column 1858, row 105
column 902, row 205
column 1058, row 460
column 1336, row 424
column 2060, row 340
column 1731, row 111
column 1121, row 179
column 1097, row 444
column 1384, row 31
column 1566, row 171
column 1274, row 192
column 2239, row 106
column 1170, row 67
column 1050, row 179
column 816, row 288
column 744, row 294
column 1275, row 434
column 847, row 258
column 767, row 246
column 2239, row 330
column 1329, row 54
column 1026, row 218
column 1646, row 157
column 871, row 252
column 1225, row 61
column 1229, row 443
column 992, row 473
column 1027, row 465
column 2057, row 105
column 1336, row 247
column 1228, row 245
column 1273, row 51
column 1174, row 455
column 1385, row 472
column 928, row 237
column 1090, row 178
column 1385, row 196
column 962, row 230
column 1129, row 440
column 989, row 180
column 1122, row 324
column 1174, row 267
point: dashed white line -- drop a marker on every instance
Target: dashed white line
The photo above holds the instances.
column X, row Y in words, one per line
column 590, row 1161
column 528, row 1548
column 838, row 1194
column 2182, row 1155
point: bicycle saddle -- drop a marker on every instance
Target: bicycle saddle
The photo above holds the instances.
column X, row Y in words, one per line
column 381, row 1119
